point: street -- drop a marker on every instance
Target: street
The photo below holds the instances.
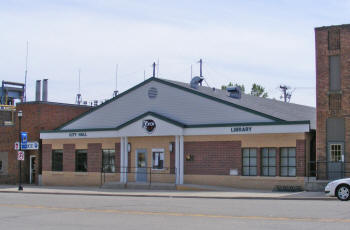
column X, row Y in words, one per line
column 43, row 211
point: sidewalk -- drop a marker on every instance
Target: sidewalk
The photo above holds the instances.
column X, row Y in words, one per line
column 230, row 193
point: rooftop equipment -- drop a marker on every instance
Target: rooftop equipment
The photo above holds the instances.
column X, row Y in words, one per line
column 37, row 90
column 196, row 81
column 235, row 92
column 45, row 81
column 10, row 91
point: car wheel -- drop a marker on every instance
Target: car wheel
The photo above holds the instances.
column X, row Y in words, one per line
column 343, row 192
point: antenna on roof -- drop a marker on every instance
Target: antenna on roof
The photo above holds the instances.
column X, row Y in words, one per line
column 154, row 69
column 191, row 72
column 200, row 67
column 25, row 76
column 286, row 93
column 115, row 93
column 158, row 67
column 78, row 98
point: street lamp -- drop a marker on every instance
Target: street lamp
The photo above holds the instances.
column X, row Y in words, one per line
column 19, row 114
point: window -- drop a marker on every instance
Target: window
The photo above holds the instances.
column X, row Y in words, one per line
column 269, row 162
column 334, row 73
column 0, row 165
column 336, row 153
column 249, row 162
column 57, row 159
column 158, row 159
column 81, row 160
column 288, row 162
column 333, row 39
column 108, row 157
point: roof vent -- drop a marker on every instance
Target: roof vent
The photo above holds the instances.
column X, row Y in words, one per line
column 235, row 92
column 196, row 81
column 152, row 93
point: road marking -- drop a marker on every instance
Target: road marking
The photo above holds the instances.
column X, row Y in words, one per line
column 309, row 219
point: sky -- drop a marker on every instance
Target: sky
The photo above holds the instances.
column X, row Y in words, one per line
column 265, row 42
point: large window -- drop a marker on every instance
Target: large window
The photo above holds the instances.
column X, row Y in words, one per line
column 268, row 161
column 334, row 73
column 288, row 162
column 57, row 160
column 249, row 162
column 158, row 159
column 336, row 152
column 108, row 159
column 81, row 160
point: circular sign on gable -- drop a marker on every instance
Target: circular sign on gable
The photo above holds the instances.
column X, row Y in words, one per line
column 149, row 125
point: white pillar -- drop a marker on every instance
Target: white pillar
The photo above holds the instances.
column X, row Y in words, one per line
column 121, row 159
column 182, row 169
column 177, row 160
column 126, row 159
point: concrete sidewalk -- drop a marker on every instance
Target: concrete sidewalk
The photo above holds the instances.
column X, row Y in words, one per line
column 229, row 193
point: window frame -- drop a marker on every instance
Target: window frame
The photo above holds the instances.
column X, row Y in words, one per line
column 268, row 161
column 249, row 157
column 288, row 164
column 160, row 152
column 1, row 166
column 54, row 164
column 111, row 158
column 78, row 156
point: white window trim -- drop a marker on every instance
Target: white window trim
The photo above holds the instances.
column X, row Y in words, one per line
column 158, row 151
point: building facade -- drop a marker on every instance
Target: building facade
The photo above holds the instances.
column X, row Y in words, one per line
column 173, row 132
column 37, row 115
column 333, row 101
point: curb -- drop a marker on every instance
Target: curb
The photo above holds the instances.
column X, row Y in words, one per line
column 180, row 196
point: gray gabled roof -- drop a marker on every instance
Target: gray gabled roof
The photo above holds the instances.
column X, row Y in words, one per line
column 282, row 110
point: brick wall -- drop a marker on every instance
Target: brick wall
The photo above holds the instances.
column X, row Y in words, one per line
column 323, row 51
column 300, row 157
column 94, row 157
column 36, row 116
column 69, row 157
column 47, row 157
column 213, row 157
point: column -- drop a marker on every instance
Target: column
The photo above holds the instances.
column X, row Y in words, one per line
column 122, row 160
column 126, row 159
column 177, row 159
column 182, row 169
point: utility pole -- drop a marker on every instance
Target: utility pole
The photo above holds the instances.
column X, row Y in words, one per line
column 25, row 76
column 154, row 69
column 286, row 94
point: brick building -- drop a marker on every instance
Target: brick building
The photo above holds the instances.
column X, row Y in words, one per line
column 333, row 101
column 167, row 131
column 38, row 115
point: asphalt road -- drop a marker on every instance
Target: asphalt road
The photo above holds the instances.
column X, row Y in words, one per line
column 37, row 211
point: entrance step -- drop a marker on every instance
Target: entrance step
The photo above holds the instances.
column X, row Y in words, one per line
column 137, row 185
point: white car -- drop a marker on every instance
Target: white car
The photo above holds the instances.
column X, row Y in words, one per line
column 339, row 188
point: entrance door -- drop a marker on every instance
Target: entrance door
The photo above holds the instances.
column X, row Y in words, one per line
column 335, row 166
column 32, row 171
column 141, row 165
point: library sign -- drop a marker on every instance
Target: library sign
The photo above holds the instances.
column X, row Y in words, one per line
column 241, row 129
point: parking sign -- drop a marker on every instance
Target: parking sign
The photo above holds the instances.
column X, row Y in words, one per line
column 20, row 156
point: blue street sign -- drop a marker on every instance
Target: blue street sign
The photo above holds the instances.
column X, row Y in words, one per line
column 24, row 137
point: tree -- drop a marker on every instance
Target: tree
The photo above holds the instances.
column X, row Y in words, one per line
column 259, row 91
column 230, row 84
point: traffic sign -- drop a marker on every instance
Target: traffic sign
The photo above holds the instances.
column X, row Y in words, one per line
column 32, row 145
column 24, row 138
column 20, row 156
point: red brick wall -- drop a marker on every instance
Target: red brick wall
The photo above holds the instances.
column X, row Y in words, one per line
column 94, row 157
column 300, row 157
column 36, row 116
column 47, row 152
column 213, row 158
column 69, row 157
column 322, row 86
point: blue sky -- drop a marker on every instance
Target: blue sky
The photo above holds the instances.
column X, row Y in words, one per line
column 245, row 42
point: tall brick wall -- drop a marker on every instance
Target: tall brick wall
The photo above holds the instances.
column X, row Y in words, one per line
column 324, row 98
column 213, row 157
column 94, row 157
column 36, row 116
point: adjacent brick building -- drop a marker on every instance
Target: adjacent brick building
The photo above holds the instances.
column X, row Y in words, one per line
column 333, row 101
column 37, row 116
